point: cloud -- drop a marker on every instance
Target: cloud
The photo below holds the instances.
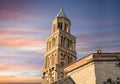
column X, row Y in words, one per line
column 16, row 16
column 7, row 15
column 3, row 68
column 14, row 42
column 19, row 30
column 97, row 37
column 21, row 49
column 16, row 37
column 17, row 66
column 11, row 79
column 106, row 39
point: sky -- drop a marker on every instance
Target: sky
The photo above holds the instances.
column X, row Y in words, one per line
column 25, row 25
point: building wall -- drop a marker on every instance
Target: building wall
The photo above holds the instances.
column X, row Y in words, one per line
column 105, row 70
column 84, row 74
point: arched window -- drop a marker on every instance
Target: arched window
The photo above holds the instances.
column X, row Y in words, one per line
column 71, row 43
column 61, row 57
column 68, row 43
column 64, row 42
column 43, row 75
column 65, row 27
column 60, row 25
column 61, row 40
column 62, row 74
column 62, row 64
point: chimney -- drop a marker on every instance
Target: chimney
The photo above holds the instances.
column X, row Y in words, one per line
column 98, row 51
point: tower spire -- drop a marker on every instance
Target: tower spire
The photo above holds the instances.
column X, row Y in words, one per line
column 61, row 13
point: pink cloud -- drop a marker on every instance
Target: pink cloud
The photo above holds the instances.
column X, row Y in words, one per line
column 19, row 30
column 16, row 79
column 12, row 42
column 15, row 37
column 8, row 15
column 17, row 16
column 19, row 67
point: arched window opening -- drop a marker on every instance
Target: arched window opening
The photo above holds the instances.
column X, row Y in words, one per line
column 62, row 64
column 43, row 75
column 60, row 25
column 62, row 57
column 64, row 42
column 62, row 74
column 68, row 43
column 65, row 27
column 71, row 44
column 61, row 40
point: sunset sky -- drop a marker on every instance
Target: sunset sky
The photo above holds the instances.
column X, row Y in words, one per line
column 25, row 25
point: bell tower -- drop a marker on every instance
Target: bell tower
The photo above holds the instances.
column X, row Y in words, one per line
column 60, row 49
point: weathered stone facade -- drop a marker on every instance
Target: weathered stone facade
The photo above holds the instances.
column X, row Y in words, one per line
column 96, row 68
column 60, row 49
column 61, row 66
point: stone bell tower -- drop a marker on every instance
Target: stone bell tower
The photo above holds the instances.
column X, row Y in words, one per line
column 60, row 49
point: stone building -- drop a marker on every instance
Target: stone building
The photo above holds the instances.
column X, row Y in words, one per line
column 60, row 50
column 96, row 68
column 62, row 67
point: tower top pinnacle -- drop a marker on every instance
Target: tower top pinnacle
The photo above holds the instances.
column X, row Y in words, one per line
column 61, row 13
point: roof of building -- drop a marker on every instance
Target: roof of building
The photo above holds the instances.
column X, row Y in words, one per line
column 61, row 13
column 90, row 58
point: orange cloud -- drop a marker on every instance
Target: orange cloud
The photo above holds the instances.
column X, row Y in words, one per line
column 16, row 30
column 3, row 68
column 15, row 37
column 8, row 79
column 19, row 66
column 14, row 42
